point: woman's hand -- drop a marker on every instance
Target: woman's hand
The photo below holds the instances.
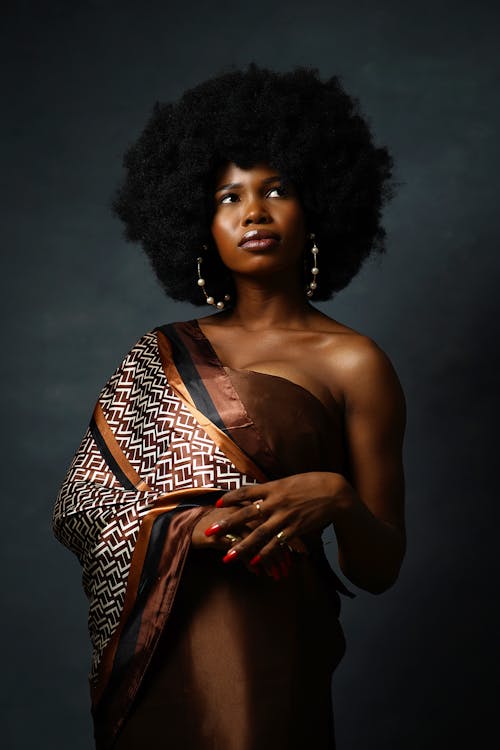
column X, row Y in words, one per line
column 288, row 508
column 200, row 540
column 276, row 565
column 368, row 513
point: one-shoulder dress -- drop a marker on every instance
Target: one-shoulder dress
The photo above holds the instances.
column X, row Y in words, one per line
column 246, row 662
column 188, row 652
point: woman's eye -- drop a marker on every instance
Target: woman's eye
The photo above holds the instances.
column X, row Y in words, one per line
column 228, row 198
column 279, row 189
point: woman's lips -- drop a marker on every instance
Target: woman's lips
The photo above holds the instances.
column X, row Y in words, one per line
column 259, row 238
column 265, row 243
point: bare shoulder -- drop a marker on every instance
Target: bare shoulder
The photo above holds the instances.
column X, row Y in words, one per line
column 361, row 369
column 357, row 355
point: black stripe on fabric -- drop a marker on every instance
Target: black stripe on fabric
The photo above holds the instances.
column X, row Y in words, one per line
column 108, row 457
column 128, row 637
column 191, row 377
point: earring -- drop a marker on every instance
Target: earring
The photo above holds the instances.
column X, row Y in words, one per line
column 201, row 283
column 314, row 270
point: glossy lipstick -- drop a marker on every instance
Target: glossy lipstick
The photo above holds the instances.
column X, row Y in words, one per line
column 259, row 239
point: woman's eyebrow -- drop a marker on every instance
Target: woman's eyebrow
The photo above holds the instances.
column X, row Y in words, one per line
column 229, row 186
column 232, row 185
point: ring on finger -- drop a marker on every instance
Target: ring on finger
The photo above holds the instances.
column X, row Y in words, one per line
column 232, row 538
column 281, row 537
column 258, row 506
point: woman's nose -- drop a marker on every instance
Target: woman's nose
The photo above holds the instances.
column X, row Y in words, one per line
column 255, row 212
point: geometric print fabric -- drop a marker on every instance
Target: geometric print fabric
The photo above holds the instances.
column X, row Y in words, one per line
column 95, row 516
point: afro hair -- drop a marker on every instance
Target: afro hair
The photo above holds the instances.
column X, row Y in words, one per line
column 310, row 130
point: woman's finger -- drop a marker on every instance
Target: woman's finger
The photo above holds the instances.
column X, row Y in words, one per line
column 248, row 493
column 255, row 542
column 254, row 512
column 277, row 545
column 277, row 564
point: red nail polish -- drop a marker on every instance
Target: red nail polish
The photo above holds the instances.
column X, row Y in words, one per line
column 256, row 560
column 219, row 503
column 230, row 555
column 213, row 529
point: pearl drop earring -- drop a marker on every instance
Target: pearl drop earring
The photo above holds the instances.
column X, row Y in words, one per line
column 201, row 283
column 314, row 270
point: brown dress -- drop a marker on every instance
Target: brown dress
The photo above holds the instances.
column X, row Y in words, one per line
column 245, row 662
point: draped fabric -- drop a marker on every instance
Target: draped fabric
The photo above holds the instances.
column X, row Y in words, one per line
column 169, row 434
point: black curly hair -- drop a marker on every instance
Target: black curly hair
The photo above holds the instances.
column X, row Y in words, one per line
column 311, row 131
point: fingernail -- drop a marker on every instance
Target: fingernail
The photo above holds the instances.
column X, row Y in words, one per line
column 256, row 560
column 219, row 503
column 230, row 555
column 213, row 529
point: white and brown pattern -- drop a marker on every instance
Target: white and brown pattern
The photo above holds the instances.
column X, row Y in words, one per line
column 99, row 520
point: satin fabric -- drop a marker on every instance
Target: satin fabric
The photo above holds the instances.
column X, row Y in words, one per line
column 187, row 652
column 245, row 662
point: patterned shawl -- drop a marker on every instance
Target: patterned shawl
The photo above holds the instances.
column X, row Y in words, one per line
column 168, row 435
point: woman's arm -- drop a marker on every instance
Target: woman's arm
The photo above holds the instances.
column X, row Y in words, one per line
column 369, row 519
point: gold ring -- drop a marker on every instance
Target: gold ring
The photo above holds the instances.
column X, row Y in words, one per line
column 281, row 537
column 232, row 538
column 258, row 505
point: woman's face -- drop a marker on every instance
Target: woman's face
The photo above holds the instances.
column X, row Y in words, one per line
column 258, row 224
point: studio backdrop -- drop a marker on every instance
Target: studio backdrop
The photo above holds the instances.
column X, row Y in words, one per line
column 81, row 79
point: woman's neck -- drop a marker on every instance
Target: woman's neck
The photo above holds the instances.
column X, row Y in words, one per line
column 260, row 307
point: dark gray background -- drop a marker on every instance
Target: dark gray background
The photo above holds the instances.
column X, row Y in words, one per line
column 81, row 78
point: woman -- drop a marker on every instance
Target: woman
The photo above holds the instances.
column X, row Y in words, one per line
column 222, row 447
